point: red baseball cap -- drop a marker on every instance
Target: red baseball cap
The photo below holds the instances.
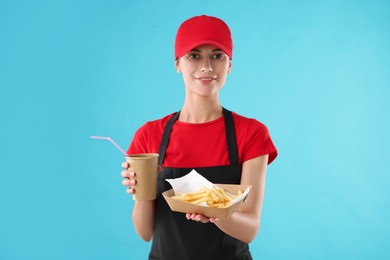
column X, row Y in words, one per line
column 201, row 30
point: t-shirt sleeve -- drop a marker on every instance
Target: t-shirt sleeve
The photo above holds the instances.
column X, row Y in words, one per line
column 147, row 138
column 259, row 143
column 139, row 143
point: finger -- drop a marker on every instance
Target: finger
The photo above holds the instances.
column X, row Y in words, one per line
column 130, row 190
column 159, row 168
column 202, row 218
column 125, row 165
column 127, row 174
column 127, row 182
column 188, row 216
column 213, row 220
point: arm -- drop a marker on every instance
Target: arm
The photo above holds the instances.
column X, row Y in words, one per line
column 143, row 211
column 245, row 223
column 143, row 219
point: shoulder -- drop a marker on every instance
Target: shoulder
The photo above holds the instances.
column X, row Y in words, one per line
column 241, row 122
column 152, row 129
column 253, row 138
column 148, row 137
column 156, row 124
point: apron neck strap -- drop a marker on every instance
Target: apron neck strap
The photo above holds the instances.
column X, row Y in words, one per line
column 165, row 137
column 230, row 137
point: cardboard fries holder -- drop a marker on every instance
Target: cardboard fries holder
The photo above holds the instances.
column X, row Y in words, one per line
column 221, row 213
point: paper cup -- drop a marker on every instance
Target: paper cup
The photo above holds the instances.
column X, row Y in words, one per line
column 145, row 168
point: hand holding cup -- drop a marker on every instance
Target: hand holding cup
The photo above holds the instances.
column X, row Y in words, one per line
column 140, row 173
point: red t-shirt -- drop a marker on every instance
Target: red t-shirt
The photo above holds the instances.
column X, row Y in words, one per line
column 204, row 145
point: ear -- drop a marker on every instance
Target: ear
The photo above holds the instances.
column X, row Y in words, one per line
column 177, row 65
column 230, row 66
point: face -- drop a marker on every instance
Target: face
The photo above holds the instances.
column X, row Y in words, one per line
column 204, row 70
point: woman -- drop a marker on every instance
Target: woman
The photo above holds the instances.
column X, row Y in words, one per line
column 223, row 146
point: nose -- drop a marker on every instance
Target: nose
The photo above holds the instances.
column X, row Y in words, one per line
column 206, row 66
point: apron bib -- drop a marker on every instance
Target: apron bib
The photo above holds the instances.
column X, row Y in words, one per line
column 175, row 237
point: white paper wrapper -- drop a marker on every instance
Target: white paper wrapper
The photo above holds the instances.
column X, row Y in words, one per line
column 193, row 182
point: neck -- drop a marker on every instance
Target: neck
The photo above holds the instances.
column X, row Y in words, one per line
column 200, row 110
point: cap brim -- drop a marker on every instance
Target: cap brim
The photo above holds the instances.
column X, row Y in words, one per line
column 204, row 42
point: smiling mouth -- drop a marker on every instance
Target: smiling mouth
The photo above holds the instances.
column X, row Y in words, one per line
column 205, row 78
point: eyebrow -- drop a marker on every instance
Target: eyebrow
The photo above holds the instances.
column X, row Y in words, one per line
column 196, row 50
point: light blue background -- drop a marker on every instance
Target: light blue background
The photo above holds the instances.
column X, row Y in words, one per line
column 315, row 72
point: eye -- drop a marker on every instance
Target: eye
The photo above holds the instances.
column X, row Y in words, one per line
column 219, row 56
column 193, row 56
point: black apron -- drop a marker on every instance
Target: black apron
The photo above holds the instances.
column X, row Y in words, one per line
column 175, row 237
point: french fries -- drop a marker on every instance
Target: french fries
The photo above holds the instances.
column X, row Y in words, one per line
column 214, row 197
